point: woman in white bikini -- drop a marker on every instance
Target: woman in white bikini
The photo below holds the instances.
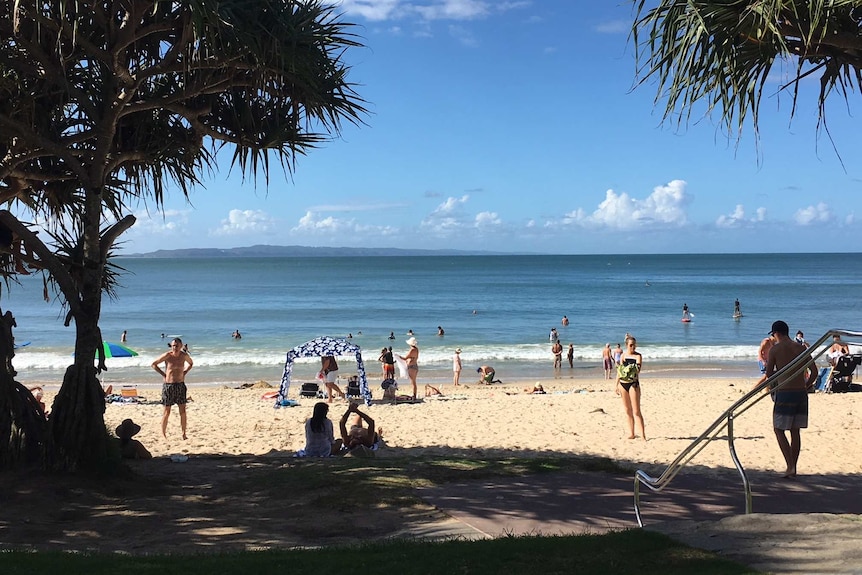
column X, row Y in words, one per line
column 412, row 359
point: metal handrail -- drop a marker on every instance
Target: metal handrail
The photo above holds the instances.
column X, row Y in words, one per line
column 725, row 421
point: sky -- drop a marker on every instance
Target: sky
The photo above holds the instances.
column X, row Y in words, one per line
column 516, row 126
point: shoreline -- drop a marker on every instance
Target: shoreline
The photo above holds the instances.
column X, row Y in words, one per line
column 208, row 376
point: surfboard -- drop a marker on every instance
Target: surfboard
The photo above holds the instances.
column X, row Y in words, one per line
column 25, row 344
column 685, row 320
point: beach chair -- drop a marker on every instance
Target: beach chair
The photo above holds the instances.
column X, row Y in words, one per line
column 353, row 391
column 129, row 391
column 822, row 383
column 311, row 390
column 841, row 376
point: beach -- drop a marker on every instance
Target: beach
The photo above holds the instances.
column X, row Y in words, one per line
column 580, row 418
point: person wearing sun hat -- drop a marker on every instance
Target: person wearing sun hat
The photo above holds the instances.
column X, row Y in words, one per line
column 131, row 448
column 412, row 360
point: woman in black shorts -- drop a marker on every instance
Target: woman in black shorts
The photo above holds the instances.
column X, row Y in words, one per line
column 629, row 388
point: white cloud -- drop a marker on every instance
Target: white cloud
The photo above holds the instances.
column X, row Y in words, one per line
column 453, row 10
column 811, row 215
column 738, row 219
column 451, row 217
column 451, row 205
column 373, row 10
column 243, row 222
column 312, row 223
column 167, row 223
column 614, row 27
column 486, row 220
column 665, row 205
column 379, row 10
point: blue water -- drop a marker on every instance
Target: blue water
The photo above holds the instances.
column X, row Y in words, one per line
column 278, row 303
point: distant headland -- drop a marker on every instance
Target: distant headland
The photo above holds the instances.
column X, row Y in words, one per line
column 266, row 251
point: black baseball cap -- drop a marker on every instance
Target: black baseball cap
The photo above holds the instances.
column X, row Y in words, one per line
column 779, row 327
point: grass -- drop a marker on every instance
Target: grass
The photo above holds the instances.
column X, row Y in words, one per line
column 634, row 551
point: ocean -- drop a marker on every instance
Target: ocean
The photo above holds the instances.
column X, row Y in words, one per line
column 497, row 309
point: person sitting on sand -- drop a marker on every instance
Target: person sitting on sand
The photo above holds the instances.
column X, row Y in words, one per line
column 131, row 448
column 431, row 390
column 837, row 349
column 487, row 375
column 319, row 436
column 354, row 436
column 37, row 395
column 537, row 389
column 390, row 387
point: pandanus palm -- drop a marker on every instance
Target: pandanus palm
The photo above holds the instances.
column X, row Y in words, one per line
column 106, row 104
column 716, row 55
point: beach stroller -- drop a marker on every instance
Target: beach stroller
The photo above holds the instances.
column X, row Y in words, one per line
column 841, row 376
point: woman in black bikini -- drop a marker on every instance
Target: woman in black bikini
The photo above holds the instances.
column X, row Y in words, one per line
column 630, row 390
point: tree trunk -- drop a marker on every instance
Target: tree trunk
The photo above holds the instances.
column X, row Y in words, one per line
column 22, row 421
column 77, row 424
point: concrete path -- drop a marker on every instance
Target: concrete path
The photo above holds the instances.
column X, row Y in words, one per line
column 706, row 511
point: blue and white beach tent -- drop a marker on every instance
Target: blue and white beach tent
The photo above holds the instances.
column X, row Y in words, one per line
column 320, row 347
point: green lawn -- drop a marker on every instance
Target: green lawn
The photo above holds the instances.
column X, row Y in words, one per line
column 634, row 551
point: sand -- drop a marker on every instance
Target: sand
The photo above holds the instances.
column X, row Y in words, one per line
column 586, row 419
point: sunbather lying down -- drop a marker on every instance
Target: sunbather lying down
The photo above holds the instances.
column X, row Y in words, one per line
column 431, row 390
column 356, row 437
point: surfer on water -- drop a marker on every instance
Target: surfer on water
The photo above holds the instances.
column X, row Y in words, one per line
column 686, row 316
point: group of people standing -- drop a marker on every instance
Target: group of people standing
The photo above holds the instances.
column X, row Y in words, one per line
column 410, row 361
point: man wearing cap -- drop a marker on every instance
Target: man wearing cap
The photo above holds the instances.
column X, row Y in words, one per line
column 456, row 367
column 790, row 412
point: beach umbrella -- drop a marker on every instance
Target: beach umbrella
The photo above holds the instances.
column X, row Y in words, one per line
column 117, row 350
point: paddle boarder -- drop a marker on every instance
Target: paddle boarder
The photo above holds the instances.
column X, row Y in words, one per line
column 686, row 315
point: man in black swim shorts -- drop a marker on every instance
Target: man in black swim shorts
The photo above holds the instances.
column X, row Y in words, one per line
column 174, row 387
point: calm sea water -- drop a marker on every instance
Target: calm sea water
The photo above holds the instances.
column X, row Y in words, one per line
column 498, row 309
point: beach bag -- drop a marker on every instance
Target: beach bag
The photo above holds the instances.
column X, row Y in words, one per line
column 628, row 372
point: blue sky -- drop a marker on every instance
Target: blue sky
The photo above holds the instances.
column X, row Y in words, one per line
column 513, row 126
